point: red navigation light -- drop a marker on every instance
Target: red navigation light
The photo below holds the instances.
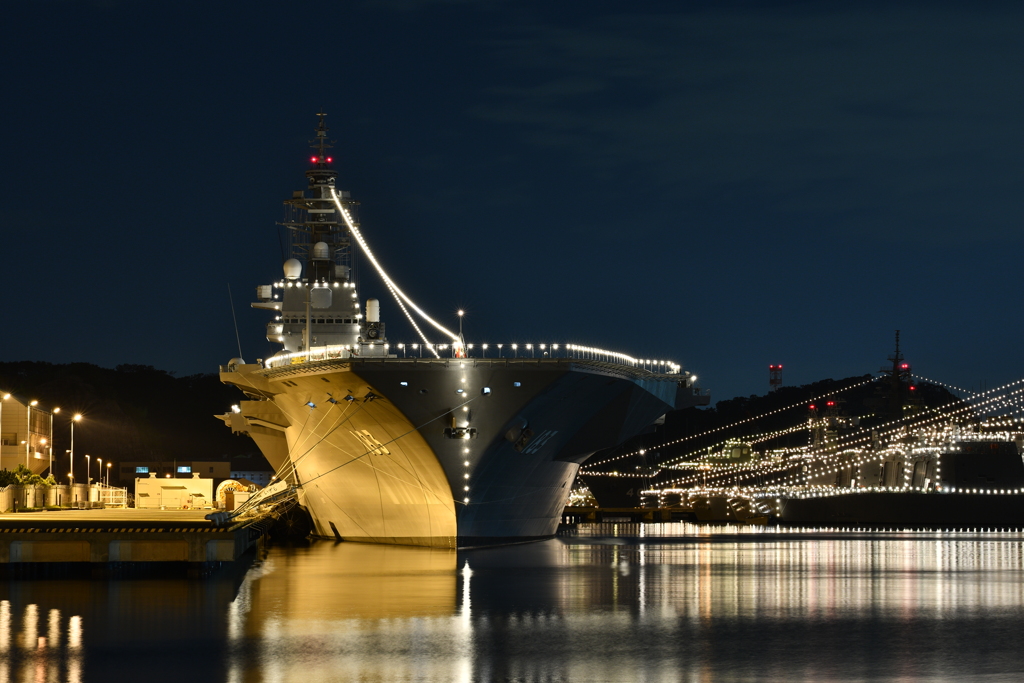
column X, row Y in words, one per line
column 313, row 159
column 904, row 366
column 913, row 388
column 831, row 403
column 813, row 407
column 329, row 159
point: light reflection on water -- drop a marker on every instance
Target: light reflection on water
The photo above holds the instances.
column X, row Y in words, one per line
column 608, row 603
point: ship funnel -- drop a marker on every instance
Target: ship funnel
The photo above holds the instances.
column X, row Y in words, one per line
column 292, row 269
column 373, row 310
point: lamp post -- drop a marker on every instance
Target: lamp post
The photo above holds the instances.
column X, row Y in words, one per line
column 108, row 472
column 2, row 399
column 53, row 412
column 28, row 428
column 88, row 466
column 76, row 418
column 100, row 478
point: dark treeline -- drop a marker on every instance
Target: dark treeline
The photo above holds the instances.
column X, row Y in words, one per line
column 133, row 412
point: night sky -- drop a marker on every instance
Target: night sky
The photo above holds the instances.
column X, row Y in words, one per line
column 725, row 185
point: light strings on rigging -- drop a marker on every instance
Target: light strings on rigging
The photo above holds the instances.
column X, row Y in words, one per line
column 843, row 446
column 395, row 290
column 682, row 458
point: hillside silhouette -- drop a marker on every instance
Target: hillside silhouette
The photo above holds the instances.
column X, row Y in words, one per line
column 132, row 412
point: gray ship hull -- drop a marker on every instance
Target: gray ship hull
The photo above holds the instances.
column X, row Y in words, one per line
column 443, row 452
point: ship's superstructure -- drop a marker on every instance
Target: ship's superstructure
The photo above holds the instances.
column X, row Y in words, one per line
column 441, row 445
column 316, row 301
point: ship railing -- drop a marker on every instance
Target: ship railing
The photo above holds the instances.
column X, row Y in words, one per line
column 506, row 351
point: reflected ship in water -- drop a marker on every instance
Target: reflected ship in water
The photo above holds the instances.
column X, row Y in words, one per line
column 609, row 603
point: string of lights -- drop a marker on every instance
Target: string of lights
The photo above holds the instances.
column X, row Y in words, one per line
column 394, row 288
column 843, row 453
column 668, row 463
column 971, row 393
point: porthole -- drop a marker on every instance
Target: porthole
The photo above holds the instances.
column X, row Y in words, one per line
column 486, row 391
column 517, row 384
column 460, row 391
column 423, row 391
column 404, row 384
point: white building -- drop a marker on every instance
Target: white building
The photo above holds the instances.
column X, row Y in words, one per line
column 26, row 431
column 173, row 494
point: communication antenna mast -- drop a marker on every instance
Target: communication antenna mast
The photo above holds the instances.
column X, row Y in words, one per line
column 898, row 384
column 321, row 144
column 774, row 377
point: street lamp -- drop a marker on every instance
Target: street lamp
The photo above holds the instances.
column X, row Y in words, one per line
column 76, row 418
column 100, row 461
column 52, row 413
column 108, row 472
column 28, row 428
column 88, row 466
column 2, row 399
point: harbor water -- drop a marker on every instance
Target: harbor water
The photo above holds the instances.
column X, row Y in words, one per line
column 601, row 602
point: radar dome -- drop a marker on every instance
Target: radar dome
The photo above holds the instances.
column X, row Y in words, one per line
column 321, row 251
column 292, row 269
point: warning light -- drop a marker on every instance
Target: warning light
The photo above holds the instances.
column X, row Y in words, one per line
column 813, row 407
column 313, row 159
column 329, row 159
column 913, row 388
column 904, row 366
column 831, row 403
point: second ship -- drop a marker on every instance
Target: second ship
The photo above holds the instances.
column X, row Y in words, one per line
column 432, row 444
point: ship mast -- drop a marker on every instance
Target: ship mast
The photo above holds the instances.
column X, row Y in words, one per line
column 898, row 380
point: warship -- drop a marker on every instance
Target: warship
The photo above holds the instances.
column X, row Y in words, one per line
column 443, row 444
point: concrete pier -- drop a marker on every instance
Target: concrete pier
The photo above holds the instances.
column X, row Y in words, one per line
column 118, row 542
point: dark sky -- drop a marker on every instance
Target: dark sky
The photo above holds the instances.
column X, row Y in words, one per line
column 726, row 185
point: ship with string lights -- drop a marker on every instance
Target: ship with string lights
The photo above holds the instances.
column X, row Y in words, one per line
column 438, row 442
column 891, row 450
